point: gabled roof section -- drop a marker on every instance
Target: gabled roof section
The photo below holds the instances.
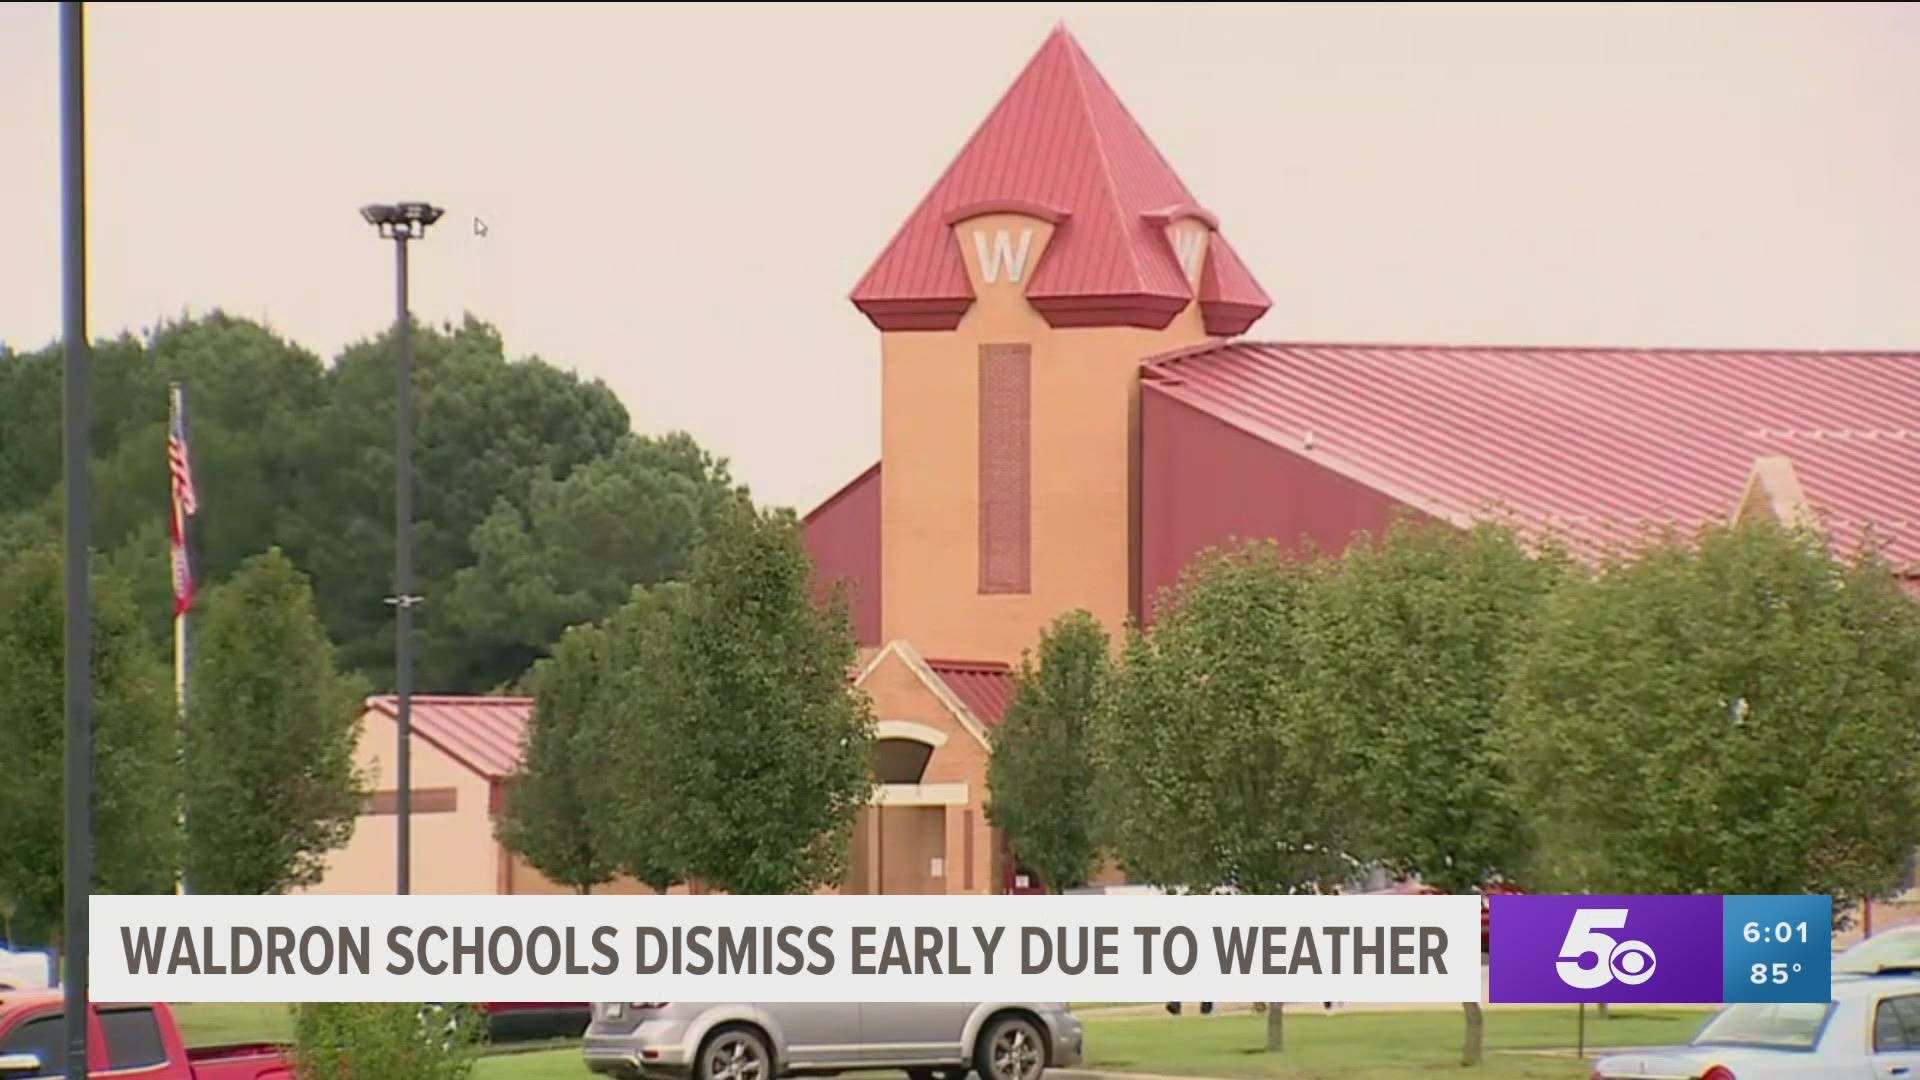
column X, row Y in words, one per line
column 482, row 733
column 1592, row 445
column 1062, row 146
column 985, row 686
column 956, row 694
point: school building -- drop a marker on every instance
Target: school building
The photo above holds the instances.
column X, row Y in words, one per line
column 1070, row 413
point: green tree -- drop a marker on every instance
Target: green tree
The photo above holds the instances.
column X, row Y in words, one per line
column 1410, row 640
column 548, row 821
column 572, row 550
column 270, row 735
column 1726, row 713
column 134, row 744
column 144, row 560
column 637, row 828
column 30, row 417
column 250, row 395
column 1214, row 771
column 1041, row 773
column 768, row 753
column 486, row 427
column 411, row 1040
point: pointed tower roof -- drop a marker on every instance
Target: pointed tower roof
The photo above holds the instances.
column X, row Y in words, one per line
column 1061, row 147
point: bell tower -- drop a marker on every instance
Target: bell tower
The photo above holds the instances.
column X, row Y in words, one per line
column 1015, row 304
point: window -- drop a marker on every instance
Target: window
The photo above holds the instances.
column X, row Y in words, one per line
column 1896, row 1024
column 43, row 1036
column 1006, row 468
column 133, row 1038
column 902, row 761
column 1794, row 1026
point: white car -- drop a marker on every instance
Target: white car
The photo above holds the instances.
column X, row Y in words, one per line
column 25, row 970
column 1870, row 1030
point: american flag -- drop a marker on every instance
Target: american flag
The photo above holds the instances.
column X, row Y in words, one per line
column 186, row 503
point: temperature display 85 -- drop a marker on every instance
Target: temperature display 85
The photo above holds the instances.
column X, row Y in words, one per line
column 1776, row 947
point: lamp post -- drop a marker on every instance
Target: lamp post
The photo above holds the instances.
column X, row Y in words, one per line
column 76, row 428
column 403, row 223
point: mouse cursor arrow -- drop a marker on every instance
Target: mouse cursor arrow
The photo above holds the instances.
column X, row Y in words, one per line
column 479, row 227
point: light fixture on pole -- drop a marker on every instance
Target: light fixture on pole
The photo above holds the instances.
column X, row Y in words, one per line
column 403, row 223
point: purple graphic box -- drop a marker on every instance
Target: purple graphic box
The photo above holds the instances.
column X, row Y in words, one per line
column 1617, row 949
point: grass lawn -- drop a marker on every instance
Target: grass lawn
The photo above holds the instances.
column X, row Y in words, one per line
column 1345, row 1046
column 1372, row 1045
column 541, row 1065
column 211, row 1025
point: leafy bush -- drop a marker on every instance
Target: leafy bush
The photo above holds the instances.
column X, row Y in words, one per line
column 367, row 1040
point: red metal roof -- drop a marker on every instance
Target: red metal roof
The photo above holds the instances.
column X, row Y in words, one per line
column 482, row 733
column 1061, row 146
column 985, row 687
column 842, row 535
column 1595, row 443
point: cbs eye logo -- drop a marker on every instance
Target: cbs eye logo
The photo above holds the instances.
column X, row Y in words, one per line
column 1630, row 962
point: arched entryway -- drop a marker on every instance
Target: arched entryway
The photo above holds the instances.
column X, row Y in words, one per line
column 900, row 840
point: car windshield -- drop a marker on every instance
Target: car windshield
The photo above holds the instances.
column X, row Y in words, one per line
column 1784, row 1026
column 1895, row 950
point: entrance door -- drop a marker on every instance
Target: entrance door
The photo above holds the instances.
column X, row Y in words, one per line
column 911, row 842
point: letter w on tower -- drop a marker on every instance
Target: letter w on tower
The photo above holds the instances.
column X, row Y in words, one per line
column 1002, row 253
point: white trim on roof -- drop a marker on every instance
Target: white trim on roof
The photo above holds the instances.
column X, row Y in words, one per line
column 935, row 685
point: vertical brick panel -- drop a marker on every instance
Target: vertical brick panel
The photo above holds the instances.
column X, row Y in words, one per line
column 966, row 846
column 1006, row 468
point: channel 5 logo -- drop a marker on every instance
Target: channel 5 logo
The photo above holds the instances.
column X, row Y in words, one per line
column 1618, row 949
column 1631, row 962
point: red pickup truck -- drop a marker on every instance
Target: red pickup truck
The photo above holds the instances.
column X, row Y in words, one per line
column 122, row 1038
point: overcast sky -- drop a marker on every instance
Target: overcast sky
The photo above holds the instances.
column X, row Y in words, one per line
column 680, row 198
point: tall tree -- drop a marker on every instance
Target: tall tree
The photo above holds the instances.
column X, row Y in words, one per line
column 250, row 396
column 769, row 755
column 485, row 428
column 548, row 820
column 134, row 744
column 1731, row 712
column 270, row 736
column 1409, row 643
column 1214, row 769
column 1040, row 776
column 30, row 388
column 572, row 550
column 640, row 692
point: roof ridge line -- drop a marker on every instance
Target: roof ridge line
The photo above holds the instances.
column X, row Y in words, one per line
column 1672, row 350
column 1154, row 361
column 841, row 492
column 1074, row 57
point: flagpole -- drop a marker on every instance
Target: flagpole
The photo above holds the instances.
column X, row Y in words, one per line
column 177, row 403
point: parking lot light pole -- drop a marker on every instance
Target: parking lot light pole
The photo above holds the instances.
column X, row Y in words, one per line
column 402, row 223
column 76, row 429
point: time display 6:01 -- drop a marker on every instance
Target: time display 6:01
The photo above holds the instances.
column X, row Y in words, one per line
column 1754, row 932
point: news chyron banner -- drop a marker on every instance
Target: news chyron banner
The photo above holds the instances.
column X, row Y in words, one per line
column 1671, row 950
column 799, row 949
column 1388, row 948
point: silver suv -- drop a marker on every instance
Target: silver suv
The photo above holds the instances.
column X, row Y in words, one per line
column 741, row 1041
